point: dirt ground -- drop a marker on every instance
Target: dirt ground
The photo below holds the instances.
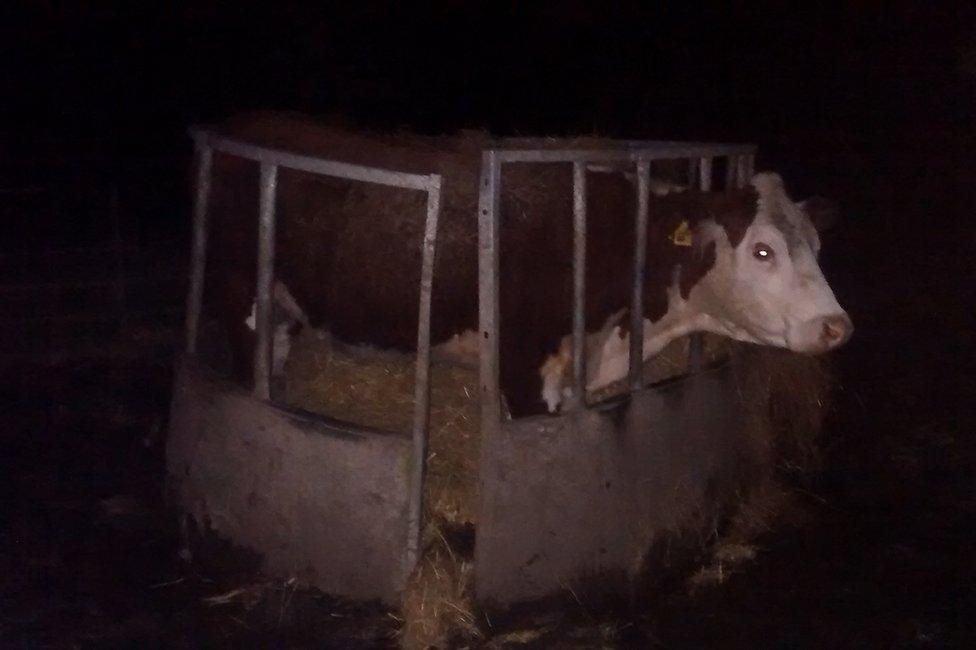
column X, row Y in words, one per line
column 882, row 556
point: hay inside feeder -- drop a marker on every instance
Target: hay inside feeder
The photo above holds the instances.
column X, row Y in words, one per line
column 374, row 388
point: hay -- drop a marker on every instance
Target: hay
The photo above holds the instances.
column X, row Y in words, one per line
column 437, row 605
column 374, row 388
column 788, row 396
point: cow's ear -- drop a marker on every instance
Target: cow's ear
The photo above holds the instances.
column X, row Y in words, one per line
column 823, row 212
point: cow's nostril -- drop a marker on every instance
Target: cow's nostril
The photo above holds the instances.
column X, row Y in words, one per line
column 836, row 330
column 831, row 331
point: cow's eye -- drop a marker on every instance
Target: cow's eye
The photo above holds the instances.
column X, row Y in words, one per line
column 763, row 252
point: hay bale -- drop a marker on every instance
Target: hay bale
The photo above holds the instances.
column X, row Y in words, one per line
column 788, row 395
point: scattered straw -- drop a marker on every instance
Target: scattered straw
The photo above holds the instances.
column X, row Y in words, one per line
column 437, row 605
column 226, row 597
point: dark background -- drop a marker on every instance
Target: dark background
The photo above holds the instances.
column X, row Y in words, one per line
column 832, row 90
column 869, row 104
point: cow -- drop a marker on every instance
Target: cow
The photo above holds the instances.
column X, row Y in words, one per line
column 741, row 263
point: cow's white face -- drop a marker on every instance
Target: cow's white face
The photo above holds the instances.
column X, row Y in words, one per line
column 769, row 288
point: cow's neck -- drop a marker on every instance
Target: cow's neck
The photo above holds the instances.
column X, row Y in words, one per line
column 609, row 354
column 608, row 350
column 673, row 325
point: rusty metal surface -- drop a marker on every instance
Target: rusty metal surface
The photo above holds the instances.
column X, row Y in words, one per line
column 584, row 495
column 318, row 501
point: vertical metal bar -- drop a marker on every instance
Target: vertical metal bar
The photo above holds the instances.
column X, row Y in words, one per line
column 640, row 261
column 198, row 255
column 488, row 311
column 578, row 399
column 731, row 172
column 265, row 278
column 750, row 161
column 744, row 168
column 421, row 387
column 692, row 172
column 705, row 174
column 696, row 342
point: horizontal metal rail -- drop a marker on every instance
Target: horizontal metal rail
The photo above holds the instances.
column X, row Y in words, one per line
column 664, row 152
column 279, row 158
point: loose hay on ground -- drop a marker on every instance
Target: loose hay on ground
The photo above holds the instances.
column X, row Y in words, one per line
column 437, row 605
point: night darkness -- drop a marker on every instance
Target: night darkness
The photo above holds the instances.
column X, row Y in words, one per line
column 870, row 106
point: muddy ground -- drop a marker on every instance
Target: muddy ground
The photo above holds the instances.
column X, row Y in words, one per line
column 882, row 556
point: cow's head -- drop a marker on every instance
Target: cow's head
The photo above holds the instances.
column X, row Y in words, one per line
column 765, row 285
column 747, row 269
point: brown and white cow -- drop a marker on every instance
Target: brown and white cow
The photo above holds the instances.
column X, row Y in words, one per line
column 741, row 263
column 762, row 285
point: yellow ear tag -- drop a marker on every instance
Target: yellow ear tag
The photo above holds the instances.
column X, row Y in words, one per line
column 681, row 235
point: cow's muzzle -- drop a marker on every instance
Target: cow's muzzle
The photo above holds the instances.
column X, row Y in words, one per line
column 823, row 334
column 836, row 330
